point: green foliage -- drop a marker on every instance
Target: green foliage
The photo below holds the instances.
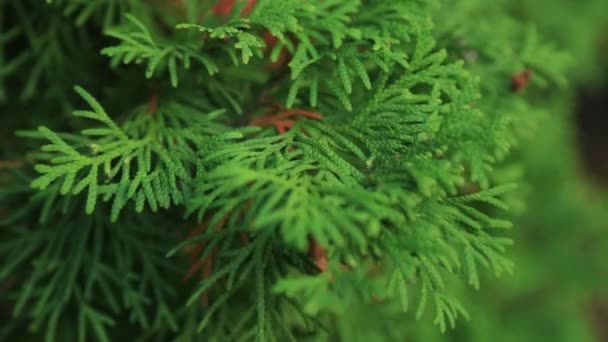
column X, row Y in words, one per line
column 90, row 272
column 138, row 45
column 148, row 160
column 396, row 175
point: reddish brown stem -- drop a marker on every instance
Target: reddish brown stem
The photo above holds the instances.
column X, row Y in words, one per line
column 204, row 266
column 520, row 81
column 318, row 254
column 152, row 103
column 10, row 164
column 225, row 7
column 282, row 121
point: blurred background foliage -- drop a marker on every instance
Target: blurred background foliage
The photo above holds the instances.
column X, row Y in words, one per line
column 559, row 290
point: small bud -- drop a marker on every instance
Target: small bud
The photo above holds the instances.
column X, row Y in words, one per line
column 94, row 148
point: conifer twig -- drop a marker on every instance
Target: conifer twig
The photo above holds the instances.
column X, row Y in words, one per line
column 282, row 121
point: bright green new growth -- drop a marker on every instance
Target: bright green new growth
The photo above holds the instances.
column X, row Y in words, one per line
column 397, row 182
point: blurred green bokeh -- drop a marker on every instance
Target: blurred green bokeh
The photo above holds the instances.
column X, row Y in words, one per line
column 559, row 290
